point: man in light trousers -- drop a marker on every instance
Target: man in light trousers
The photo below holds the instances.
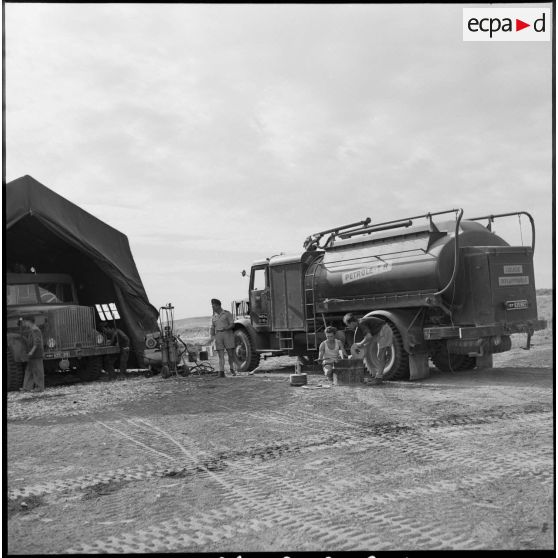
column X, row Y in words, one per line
column 221, row 331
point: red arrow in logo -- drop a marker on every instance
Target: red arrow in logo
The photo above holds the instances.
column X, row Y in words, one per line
column 519, row 25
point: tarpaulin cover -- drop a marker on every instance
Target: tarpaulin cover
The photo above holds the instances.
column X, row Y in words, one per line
column 27, row 199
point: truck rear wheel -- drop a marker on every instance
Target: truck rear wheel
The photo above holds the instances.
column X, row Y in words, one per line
column 451, row 362
column 397, row 360
column 16, row 372
column 245, row 356
column 90, row 368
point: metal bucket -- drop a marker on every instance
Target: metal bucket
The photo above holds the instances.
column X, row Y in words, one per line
column 298, row 379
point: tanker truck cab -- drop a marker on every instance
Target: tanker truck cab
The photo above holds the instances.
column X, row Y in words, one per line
column 272, row 322
column 259, row 299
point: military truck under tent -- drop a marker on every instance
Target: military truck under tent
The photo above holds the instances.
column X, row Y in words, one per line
column 72, row 272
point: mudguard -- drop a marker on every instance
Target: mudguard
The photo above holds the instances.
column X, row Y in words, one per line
column 261, row 340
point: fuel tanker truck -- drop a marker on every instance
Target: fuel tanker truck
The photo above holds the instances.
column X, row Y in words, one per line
column 451, row 290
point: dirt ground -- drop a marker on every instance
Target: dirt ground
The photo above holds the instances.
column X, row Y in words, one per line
column 457, row 461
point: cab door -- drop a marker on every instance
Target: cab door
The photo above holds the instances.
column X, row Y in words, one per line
column 260, row 304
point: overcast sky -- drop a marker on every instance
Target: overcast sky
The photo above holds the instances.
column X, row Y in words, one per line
column 214, row 135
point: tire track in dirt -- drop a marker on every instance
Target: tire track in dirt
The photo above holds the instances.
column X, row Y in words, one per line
column 370, row 437
column 327, row 498
column 177, row 534
column 254, row 495
column 129, row 541
column 184, row 535
column 307, row 419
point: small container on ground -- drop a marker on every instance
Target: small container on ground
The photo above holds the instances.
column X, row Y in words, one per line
column 348, row 372
column 298, row 379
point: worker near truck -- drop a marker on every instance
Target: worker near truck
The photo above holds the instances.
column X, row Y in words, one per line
column 221, row 331
column 34, row 379
column 378, row 337
column 350, row 332
column 117, row 337
column 330, row 351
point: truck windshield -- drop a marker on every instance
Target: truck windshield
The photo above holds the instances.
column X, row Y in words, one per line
column 39, row 293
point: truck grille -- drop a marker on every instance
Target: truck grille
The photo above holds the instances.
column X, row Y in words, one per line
column 72, row 327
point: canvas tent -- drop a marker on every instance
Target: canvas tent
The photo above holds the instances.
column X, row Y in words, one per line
column 53, row 235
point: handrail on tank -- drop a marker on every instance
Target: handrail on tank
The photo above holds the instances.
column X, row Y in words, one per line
column 404, row 222
column 311, row 242
column 492, row 217
column 335, row 230
column 343, row 227
column 377, row 228
column 456, row 258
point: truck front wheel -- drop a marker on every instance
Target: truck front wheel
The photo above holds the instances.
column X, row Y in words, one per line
column 245, row 356
column 16, row 372
column 397, row 358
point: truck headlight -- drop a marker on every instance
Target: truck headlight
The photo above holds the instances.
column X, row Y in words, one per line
column 150, row 343
column 51, row 342
column 100, row 339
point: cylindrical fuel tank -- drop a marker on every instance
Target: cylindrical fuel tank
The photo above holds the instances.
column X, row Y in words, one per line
column 402, row 261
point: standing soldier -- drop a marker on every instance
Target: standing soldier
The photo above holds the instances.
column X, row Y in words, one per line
column 222, row 323
column 117, row 337
column 34, row 370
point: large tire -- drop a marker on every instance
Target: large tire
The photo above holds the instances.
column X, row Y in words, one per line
column 16, row 372
column 90, row 368
column 397, row 365
column 245, row 356
column 451, row 362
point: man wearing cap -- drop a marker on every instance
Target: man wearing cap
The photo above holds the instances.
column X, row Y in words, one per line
column 221, row 331
column 34, row 379
column 378, row 337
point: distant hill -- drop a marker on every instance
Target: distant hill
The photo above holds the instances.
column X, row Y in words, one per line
column 541, row 292
column 191, row 323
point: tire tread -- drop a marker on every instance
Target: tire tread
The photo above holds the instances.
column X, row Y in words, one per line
column 254, row 358
column 16, row 372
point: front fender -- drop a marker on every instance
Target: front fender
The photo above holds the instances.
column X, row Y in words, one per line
column 409, row 325
column 261, row 341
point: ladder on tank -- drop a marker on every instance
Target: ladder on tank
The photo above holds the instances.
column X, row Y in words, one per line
column 310, row 309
